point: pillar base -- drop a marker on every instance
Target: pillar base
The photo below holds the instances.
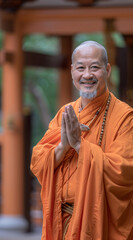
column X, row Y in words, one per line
column 15, row 223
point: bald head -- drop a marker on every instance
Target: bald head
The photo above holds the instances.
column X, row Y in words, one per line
column 93, row 44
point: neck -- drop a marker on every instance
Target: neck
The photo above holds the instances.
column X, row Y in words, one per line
column 85, row 102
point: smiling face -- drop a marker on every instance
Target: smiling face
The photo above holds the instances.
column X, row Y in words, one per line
column 89, row 71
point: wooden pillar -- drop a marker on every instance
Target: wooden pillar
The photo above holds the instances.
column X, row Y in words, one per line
column 109, row 42
column 13, row 150
column 129, row 42
column 121, row 62
column 65, row 82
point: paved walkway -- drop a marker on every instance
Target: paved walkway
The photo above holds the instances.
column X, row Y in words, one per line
column 11, row 235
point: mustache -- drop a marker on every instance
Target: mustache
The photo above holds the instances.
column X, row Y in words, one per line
column 87, row 80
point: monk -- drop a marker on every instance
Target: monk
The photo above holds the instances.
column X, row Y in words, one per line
column 84, row 162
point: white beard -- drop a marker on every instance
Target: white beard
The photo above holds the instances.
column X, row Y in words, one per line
column 88, row 95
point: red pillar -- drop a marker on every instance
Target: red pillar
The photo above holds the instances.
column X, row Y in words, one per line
column 13, row 149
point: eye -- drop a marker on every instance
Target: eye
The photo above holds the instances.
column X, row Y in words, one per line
column 94, row 67
column 80, row 68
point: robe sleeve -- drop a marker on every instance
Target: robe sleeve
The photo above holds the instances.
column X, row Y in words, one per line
column 118, row 177
column 45, row 147
column 42, row 166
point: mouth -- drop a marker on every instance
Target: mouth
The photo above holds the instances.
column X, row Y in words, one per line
column 88, row 83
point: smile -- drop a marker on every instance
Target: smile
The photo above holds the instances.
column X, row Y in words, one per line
column 90, row 82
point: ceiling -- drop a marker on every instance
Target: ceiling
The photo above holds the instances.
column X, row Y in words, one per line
column 36, row 4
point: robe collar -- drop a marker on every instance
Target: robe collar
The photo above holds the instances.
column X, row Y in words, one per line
column 92, row 107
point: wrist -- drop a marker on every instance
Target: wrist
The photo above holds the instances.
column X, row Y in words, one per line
column 77, row 147
column 60, row 151
column 63, row 148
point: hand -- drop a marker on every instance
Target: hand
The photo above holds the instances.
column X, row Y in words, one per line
column 64, row 140
column 70, row 135
column 72, row 128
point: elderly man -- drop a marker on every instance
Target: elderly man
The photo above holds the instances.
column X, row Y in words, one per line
column 84, row 162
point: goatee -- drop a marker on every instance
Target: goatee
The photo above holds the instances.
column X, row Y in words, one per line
column 88, row 95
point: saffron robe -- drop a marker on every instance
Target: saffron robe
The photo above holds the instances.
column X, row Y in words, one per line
column 101, row 178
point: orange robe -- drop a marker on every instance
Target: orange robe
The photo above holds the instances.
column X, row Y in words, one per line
column 101, row 178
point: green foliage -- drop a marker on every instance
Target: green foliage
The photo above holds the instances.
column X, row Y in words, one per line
column 79, row 38
column 99, row 37
column 41, row 43
column 46, row 79
column 115, row 79
column 118, row 39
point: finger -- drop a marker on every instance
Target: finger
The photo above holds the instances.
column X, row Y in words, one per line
column 63, row 121
column 67, row 119
column 64, row 126
column 72, row 116
column 64, row 139
column 68, row 122
column 72, row 113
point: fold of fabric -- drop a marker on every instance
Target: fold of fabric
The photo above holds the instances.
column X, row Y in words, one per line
column 103, row 199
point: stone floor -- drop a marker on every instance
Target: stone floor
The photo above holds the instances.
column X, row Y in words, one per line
column 11, row 235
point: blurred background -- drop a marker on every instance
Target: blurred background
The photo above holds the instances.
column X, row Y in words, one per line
column 37, row 38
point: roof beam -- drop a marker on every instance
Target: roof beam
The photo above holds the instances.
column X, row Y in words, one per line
column 73, row 21
column 71, row 13
column 68, row 21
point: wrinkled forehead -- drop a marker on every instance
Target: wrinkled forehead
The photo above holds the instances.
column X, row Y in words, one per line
column 88, row 51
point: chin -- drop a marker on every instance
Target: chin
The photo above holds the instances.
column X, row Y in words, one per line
column 88, row 95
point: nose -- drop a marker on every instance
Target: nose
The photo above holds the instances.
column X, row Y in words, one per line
column 87, row 74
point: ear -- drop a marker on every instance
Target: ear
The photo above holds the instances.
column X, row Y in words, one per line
column 108, row 69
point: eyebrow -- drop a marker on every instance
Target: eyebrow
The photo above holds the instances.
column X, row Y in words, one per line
column 96, row 62
column 79, row 62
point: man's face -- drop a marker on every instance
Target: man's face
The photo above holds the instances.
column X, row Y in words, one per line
column 89, row 72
